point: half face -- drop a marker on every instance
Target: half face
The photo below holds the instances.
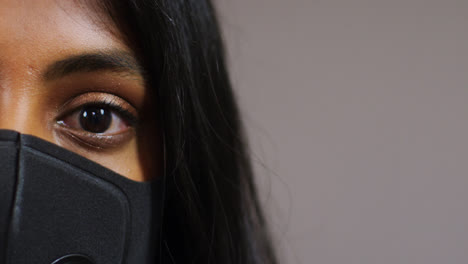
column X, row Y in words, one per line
column 64, row 77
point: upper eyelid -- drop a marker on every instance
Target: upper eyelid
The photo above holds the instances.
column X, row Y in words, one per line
column 102, row 99
column 96, row 98
column 106, row 82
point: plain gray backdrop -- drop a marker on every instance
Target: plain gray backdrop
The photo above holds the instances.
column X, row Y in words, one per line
column 357, row 113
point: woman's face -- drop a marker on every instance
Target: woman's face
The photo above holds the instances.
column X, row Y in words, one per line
column 64, row 77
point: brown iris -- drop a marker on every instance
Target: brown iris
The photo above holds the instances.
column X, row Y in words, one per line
column 95, row 119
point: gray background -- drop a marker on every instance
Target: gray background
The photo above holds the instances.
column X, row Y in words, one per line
column 357, row 114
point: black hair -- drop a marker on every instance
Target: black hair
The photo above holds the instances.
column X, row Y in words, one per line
column 211, row 210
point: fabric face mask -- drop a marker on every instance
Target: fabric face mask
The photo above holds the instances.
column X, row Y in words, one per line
column 58, row 207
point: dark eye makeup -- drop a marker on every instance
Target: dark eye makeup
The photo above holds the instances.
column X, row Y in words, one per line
column 97, row 121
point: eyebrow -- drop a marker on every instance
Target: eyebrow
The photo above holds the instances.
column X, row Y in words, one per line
column 116, row 61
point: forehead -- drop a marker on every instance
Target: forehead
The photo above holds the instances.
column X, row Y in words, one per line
column 34, row 28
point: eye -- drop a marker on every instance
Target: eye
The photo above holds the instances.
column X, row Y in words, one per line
column 98, row 119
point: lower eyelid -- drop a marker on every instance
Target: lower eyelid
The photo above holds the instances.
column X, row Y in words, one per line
column 94, row 142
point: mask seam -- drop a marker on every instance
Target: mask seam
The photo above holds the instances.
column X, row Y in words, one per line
column 14, row 200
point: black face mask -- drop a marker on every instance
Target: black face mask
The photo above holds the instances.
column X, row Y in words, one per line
column 58, row 207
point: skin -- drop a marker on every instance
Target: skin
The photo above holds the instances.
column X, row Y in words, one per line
column 34, row 37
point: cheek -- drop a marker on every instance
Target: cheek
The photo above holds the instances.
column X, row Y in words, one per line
column 125, row 161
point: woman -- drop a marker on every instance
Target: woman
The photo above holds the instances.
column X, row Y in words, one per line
column 140, row 88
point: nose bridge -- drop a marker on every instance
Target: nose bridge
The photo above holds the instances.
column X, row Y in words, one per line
column 20, row 107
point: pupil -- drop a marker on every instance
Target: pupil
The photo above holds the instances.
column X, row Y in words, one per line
column 95, row 119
